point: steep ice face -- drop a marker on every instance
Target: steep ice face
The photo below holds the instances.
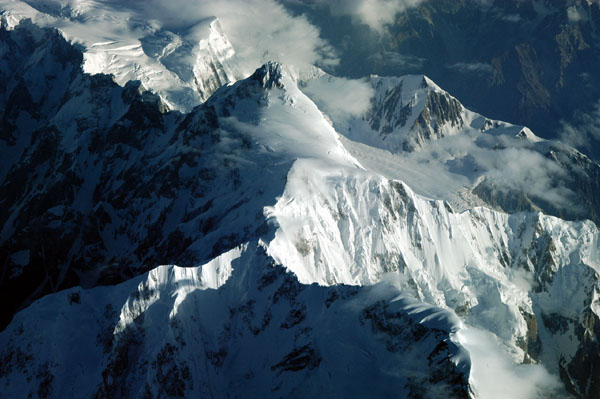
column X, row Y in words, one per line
column 215, row 62
column 183, row 67
column 536, row 273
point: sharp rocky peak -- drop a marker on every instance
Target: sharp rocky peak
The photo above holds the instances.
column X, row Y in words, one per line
column 269, row 75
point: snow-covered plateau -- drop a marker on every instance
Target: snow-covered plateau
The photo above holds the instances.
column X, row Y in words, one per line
column 175, row 230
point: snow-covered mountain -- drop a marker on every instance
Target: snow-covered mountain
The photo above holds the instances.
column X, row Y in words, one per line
column 114, row 186
column 406, row 114
column 238, row 326
column 431, row 129
column 305, row 265
column 184, row 67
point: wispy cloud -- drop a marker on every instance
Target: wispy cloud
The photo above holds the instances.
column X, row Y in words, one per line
column 391, row 58
column 259, row 30
column 584, row 132
column 511, row 18
column 477, row 67
column 338, row 96
column 377, row 14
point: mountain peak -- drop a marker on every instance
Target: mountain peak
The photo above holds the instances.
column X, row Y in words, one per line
column 269, row 75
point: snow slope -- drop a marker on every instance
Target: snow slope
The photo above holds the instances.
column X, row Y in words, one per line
column 115, row 187
column 488, row 266
column 237, row 326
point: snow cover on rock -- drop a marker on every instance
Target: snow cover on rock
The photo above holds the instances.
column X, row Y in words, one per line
column 355, row 285
column 236, row 326
column 183, row 67
column 405, row 113
column 410, row 129
column 181, row 50
column 335, row 227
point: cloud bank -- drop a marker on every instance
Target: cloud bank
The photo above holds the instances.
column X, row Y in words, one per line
column 259, row 30
column 494, row 375
column 340, row 96
column 507, row 163
column 584, row 132
column 374, row 13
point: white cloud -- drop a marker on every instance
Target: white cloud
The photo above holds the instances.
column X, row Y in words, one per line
column 494, row 375
column 374, row 13
column 478, row 67
column 528, row 172
column 260, row 30
column 573, row 14
column 340, row 96
column 584, row 132
column 508, row 164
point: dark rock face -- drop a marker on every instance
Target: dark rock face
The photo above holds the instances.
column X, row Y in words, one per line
column 531, row 344
column 441, row 109
column 578, row 370
column 533, row 69
column 389, row 112
column 579, row 374
column 98, row 184
column 269, row 75
column 400, row 332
